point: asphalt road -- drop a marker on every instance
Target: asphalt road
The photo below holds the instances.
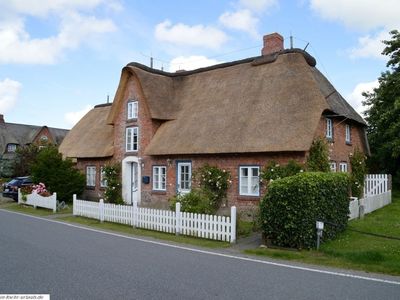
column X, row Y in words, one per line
column 39, row 256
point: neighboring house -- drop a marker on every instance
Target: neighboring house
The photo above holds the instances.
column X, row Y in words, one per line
column 238, row 116
column 13, row 136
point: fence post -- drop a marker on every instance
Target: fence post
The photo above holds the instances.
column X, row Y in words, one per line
column 101, row 210
column 19, row 196
column 177, row 218
column 74, row 204
column 233, row 224
column 54, row 202
column 34, row 198
column 135, row 214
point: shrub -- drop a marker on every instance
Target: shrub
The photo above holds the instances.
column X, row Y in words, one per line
column 113, row 193
column 293, row 205
column 214, row 184
column 275, row 171
column 25, row 157
column 358, row 171
column 59, row 175
column 196, row 201
column 318, row 158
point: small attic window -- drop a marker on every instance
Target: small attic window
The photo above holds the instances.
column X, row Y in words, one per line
column 44, row 138
column 132, row 109
column 11, row 147
column 329, row 129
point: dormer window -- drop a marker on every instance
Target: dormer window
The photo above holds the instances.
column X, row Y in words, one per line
column 329, row 129
column 132, row 110
column 11, row 147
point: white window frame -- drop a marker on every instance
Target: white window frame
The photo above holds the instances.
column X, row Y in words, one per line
column 133, row 109
column 329, row 128
column 11, row 147
column 180, row 178
column 343, row 167
column 131, row 145
column 332, row 166
column 247, row 181
column 159, row 178
column 103, row 180
column 348, row 133
column 91, row 176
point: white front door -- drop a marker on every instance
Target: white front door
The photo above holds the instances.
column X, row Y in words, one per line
column 131, row 173
column 184, row 177
column 134, row 193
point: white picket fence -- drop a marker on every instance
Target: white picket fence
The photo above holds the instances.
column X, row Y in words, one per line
column 377, row 194
column 199, row 225
column 37, row 200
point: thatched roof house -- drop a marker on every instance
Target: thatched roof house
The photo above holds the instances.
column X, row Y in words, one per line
column 272, row 105
column 14, row 135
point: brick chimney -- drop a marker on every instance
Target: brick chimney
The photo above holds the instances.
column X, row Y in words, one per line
column 1, row 119
column 272, row 43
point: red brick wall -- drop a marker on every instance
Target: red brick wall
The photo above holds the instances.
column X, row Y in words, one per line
column 339, row 150
column 228, row 162
column 97, row 192
column 43, row 132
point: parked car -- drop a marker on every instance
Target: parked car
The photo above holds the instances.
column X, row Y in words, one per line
column 10, row 189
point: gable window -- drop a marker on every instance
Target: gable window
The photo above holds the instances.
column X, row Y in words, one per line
column 11, row 147
column 103, row 180
column 159, row 178
column 132, row 110
column 329, row 129
column 249, row 181
column 332, row 165
column 132, row 137
column 348, row 134
column 91, row 176
column 343, row 167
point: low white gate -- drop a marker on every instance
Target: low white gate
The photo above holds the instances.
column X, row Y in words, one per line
column 377, row 194
column 200, row 225
column 37, row 200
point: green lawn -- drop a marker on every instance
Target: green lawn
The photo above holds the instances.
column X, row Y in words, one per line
column 354, row 250
column 142, row 232
column 39, row 211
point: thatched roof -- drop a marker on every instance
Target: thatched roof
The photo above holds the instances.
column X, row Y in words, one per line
column 91, row 136
column 269, row 103
column 23, row 134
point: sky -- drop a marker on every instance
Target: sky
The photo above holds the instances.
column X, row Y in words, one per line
column 59, row 58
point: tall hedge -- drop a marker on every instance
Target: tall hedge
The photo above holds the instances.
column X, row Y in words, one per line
column 293, row 204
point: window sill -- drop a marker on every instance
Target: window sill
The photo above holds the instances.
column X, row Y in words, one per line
column 349, row 144
column 134, row 120
column 248, row 198
column 155, row 192
column 90, row 187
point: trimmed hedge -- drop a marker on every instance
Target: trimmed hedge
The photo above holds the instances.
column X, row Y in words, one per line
column 293, row 204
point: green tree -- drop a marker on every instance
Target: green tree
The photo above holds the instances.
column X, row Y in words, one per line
column 383, row 114
column 57, row 174
column 318, row 158
column 25, row 157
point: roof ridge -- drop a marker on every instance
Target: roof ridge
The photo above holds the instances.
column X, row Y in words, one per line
column 256, row 60
column 40, row 126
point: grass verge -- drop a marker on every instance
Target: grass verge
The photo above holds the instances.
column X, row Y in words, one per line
column 39, row 211
column 143, row 232
column 354, row 250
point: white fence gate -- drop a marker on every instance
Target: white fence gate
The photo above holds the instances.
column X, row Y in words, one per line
column 199, row 225
column 377, row 194
column 36, row 200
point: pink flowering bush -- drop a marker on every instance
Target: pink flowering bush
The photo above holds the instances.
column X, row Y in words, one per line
column 40, row 189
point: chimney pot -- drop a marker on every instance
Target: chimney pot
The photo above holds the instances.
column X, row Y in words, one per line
column 1, row 119
column 272, row 43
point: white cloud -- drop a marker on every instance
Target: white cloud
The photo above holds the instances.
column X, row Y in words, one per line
column 258, row 5
column 355, row 98
column 370, row 46
column 242, row 20
column 185, row 35
column 43, row 7
column 17, row 46
column 73, row 117
column 9, row 91
column 360, row 14
column 191, row 62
